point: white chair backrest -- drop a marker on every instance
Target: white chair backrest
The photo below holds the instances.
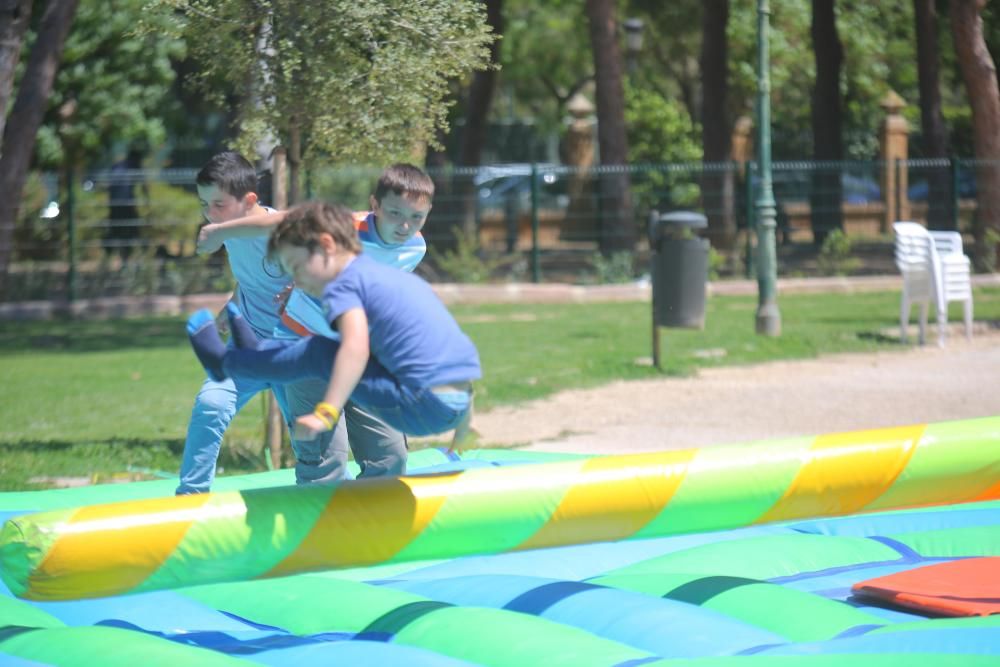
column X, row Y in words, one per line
column 947, row 242
column 914, row 247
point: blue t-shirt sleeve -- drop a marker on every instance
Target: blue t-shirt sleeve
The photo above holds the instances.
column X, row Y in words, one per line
column 342, row 295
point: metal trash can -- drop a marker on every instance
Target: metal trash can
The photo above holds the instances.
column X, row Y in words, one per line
column 680, row 269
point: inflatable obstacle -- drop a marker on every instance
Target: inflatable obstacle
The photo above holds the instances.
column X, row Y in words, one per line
column 772, row 591
column 169, row 542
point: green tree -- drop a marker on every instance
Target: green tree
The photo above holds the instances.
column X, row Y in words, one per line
column 113, row 86
column 362, row 81
column 25, row 116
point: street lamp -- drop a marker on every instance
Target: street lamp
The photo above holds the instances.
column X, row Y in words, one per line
column 633, row 42
column 768, row 317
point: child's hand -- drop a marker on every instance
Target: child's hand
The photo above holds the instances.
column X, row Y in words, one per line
column 209, row 240
column 308, row 427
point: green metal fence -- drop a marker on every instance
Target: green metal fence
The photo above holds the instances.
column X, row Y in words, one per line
column 131, row 232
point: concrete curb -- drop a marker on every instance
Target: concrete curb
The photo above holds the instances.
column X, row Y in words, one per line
column 458, row 293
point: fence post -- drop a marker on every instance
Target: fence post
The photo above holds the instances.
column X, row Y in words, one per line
column 71, row 276
column 536, row 269
column 894, row 146
column 748, row 200
column 955, row 165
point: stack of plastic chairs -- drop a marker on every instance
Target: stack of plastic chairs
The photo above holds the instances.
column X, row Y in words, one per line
column 935, row 269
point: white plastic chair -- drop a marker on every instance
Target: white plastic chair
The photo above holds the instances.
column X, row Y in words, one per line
column 934, row 269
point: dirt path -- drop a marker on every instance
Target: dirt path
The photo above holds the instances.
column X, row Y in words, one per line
column 779, row 399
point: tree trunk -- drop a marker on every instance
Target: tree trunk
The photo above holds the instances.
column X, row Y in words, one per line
column 294, row 158
column 15, row 15
column 935, row 133
column 980, row 75
column 26, row 117
column 825, row 194
column 716, row 186
column 479, row 100
column 618, row 231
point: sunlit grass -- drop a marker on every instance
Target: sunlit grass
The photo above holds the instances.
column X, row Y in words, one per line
column 85, row 397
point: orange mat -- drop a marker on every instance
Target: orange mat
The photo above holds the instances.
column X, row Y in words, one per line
column 969, row 587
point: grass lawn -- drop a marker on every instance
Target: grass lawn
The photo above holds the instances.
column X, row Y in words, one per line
column 103, row 398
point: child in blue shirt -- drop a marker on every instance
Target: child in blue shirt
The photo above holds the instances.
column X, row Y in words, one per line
column 401, row 355
column 227, row 186
column 390, row 234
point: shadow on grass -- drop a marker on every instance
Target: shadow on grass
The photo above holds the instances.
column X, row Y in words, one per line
column 879, row 337
column 67, row 335
column 34, row 464
column 173, row 446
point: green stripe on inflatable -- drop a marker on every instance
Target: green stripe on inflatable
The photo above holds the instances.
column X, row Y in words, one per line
column 496, row 521
column 767, row 556
column 310, row 604
column 837, row 660
column 276, row 522
column 943, row 624
column 797, row 615
column 503, row 638
column 304, row 604
column 948, row 450
column 110, row 647
column 17, row 613
column 953, row 542
column 519, row 455
column 24, row 548
column 712, row 475
column 98, row 494
column 382, row 571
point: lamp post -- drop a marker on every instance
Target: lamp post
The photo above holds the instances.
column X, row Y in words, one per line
column 633, row 42
column 768, row 317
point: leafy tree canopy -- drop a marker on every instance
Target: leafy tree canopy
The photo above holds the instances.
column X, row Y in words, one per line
column 356, row 80
column 112, row 87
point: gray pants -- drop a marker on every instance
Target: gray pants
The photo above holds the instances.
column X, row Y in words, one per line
column 379, row 449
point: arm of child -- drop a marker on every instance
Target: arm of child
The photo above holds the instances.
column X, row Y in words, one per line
column 348, row 366
column 212, row 235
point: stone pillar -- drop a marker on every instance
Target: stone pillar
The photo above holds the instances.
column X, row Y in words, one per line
column 742, row 142
column 578, row 152
column 894, row 143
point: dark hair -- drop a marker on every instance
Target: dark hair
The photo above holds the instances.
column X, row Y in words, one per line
column 230, row 172
column 305, row 223
column 405, row 180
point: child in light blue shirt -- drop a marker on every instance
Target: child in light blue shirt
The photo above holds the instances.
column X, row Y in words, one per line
column 400, row 356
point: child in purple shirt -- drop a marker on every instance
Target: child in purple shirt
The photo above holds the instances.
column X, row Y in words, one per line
column 401, row 355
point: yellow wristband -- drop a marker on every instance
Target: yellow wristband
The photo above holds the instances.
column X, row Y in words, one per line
column 327, row 414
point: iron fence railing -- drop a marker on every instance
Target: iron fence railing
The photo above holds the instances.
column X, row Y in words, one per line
column 108, row 233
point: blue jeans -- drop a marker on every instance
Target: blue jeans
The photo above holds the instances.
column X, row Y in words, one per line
column 415, row 411
column 214, row 408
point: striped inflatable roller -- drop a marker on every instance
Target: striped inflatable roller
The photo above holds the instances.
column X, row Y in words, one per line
column 161, row 543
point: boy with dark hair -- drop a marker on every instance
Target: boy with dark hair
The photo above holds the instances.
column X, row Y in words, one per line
column 400, row 354
column 390, row 234
column 227, row 186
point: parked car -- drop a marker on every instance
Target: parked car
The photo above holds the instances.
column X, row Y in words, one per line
column 796, row 185
column 918, row 190
column 498, row 186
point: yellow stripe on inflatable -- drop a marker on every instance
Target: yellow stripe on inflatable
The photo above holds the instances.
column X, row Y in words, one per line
column 96, row 556
column 844, row 472
column 627, row 492
column 381, row 515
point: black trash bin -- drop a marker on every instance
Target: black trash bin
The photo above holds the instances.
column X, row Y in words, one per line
column 679, row 272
